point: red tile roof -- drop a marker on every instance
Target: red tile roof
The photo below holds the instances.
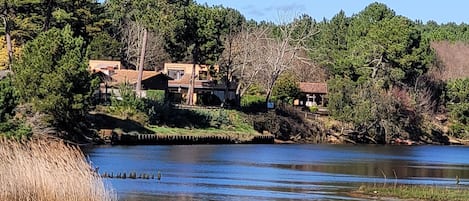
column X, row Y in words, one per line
column 130, row 76
column 313, row 87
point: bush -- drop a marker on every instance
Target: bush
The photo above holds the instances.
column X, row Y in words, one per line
column 313, row 109
column 15, row 129
column 253, row 103
column 458, row 105
column 157, row 96
column 8, row 99
column 286, row 88
column 288, row 123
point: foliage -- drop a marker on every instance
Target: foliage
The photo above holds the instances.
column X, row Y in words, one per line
column 458, row 105
column 15, row 129
column 126, row 104
column 377, row 115
column 156, row 95
column 375, row 44
column 4, row 52
column 313, row 109
column 52, row 75
column 8, row 99
column 198, row 33
column 253, row 103
column 286, row 87
column 103, row 46
column 288, row 123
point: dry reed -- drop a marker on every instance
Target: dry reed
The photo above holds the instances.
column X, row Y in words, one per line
column 45, row 169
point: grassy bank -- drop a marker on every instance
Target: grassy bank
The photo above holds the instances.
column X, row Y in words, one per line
column 48, row 170
column 414, row 192
column 197, row 122
column 234, row 134
column 212, row 122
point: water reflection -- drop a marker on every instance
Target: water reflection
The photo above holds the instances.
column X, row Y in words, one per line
column 274, row 172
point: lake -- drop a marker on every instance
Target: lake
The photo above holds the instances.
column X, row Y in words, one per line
column 274, row 172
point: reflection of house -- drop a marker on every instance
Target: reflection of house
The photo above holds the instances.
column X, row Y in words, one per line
column 313, row 94
column 206, row 90
column 111, row 76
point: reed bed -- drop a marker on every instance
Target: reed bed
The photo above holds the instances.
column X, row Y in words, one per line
column 48, row 170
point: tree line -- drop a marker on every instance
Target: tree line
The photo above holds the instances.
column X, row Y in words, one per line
column 379, row 66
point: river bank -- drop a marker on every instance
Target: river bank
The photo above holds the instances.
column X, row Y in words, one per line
column 285, row 123
column 413, row 192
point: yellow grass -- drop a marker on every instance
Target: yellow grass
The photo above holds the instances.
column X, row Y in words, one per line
column 48, row 170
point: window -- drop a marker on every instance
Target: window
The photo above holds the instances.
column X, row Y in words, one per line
column 176, row 74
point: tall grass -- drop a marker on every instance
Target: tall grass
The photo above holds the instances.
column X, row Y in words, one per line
column 48, row 170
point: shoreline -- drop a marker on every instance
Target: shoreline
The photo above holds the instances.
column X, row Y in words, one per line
column 181, row 136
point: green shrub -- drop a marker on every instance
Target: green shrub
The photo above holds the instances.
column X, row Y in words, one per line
column 313, row 109
column 128, row 105
column 15, row 129
column 253, row 103
column 458, row 105
column 221, row 119
column 248, row 100
column 8, row 99
column 157, row 96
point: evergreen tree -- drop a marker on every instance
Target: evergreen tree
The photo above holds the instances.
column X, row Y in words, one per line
column 52, row 75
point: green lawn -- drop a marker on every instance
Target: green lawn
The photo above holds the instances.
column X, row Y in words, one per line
column 415, row 192
column 239, row 134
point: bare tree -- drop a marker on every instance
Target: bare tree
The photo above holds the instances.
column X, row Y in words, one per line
column 155, row 54
column 280, row 50
column 308, row 71
column 240, row 55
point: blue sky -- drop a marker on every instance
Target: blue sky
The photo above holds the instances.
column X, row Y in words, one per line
column 441, row 11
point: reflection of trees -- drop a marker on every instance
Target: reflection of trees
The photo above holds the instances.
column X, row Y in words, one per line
column 191, row 154
column 390, row 168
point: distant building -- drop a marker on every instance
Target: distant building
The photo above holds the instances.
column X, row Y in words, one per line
column 207, row 91
column 103, row 65
column 174, row 80
column 312, row 94
column 111, row 76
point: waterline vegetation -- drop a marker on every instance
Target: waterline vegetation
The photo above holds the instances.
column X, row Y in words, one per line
column 419, row 192
column 48, row 170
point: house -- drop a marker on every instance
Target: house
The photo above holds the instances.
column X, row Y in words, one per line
column 207, row 91
column 312, row 94
column 111, row 76
column 102, row 65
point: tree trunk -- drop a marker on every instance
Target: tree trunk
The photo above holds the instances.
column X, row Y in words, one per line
column 9, row 45
column 7, row 34
column 48, row 15
column 227, row 87
column 141, row 63
column 190, row 93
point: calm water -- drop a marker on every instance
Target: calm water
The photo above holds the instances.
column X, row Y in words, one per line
column 275, row 172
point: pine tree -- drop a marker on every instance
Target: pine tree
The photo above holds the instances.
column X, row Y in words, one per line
column 52, row 75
